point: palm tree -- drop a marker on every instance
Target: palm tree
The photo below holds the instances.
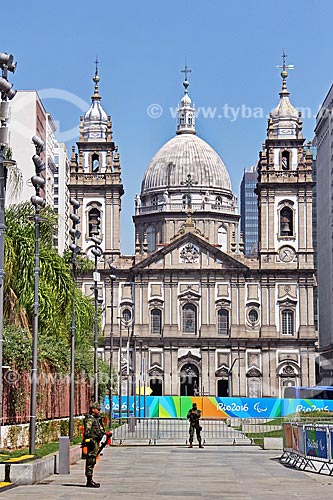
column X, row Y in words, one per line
column 56, row 287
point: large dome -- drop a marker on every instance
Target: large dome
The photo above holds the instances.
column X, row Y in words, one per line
column 186, row 154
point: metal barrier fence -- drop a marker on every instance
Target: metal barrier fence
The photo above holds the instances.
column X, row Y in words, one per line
column 308, row 446
column 157, row 431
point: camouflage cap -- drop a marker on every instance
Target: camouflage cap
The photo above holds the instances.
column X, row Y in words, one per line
column 95, row 406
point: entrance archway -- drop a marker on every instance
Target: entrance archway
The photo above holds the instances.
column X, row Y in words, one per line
column 189, row 380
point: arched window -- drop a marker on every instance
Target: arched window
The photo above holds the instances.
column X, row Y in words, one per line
column 94, row 222
column 154, row 202
column 187, row 201
column 218, row 201
column 223, row 322
column 182, row 120
column 253, row 316
column 189, row 120
column 189, row 318
column 95, row 162
column 222, row 238
column 286, row 222
column 127, row 315
column 287, row 316
column 156, row 321
column 285, row 160
column 151, row 239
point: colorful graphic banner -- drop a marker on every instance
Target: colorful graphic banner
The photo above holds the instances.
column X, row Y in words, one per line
column 290, row 406
column 287, row 436
column 316, row 443
column 212, row 407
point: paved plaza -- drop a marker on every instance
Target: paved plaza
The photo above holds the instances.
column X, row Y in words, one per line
column 176, row 472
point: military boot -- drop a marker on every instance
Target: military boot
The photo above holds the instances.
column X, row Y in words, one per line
column 91, row 483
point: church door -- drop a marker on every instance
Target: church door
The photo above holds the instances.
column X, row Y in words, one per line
column 222, row 388
column 156, row 387
column 189, row 380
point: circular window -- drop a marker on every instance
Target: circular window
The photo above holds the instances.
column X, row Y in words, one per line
column 127, row 315
column 253, row 316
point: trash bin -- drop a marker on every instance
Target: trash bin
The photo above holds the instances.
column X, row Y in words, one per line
column 64, row 446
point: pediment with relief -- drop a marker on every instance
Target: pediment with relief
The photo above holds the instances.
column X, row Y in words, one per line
column 223, row 371
column 189, row 249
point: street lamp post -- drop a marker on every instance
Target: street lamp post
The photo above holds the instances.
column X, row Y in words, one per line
column 6, row 94
column 229, row 375
column 112, row 279
column 97, row 252
column 75, row 249
column 38, row 181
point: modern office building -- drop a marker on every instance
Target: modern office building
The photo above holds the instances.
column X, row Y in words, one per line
column 249, row 210
column 324, row 168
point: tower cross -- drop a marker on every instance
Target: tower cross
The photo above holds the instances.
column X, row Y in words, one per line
column 285, row 66
column 186, row 70
column 96, row 63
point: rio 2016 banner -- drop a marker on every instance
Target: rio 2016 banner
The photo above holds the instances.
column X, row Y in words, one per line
column 212, row 407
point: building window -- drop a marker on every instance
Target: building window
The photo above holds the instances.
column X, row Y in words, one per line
column 127, row 315
column 154, row 202
column 156, row 321
column 288, row 322
column 182, row 120
column 218, row 201
column 151, row 239
column 223, row 322
column 286, row 222
column 189, row 318
column 95, row 162
column 253, row 316
column 285, row 160
column 187, row 201
column 222, row 237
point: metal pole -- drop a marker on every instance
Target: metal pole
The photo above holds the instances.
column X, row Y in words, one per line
column 111, row 352
column 144, row 382
column 33, row 403
column 134, row 376
column 140, row 376
column 120, row 371
column 2, row 272
column 128, row 372
column 72, row 368
column 95, row 333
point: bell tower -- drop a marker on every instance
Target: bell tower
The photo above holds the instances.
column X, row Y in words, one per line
column 95, row 178
column 284, row 189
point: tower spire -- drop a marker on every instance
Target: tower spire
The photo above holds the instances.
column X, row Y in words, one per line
column 284, row 73
column 96, row 80
column 186, row 112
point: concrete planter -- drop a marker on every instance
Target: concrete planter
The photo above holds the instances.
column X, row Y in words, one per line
column 36, row 470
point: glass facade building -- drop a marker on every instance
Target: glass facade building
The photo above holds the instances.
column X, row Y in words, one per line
column 249, row 210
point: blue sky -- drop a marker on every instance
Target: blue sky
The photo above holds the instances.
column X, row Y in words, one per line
column 232, row 47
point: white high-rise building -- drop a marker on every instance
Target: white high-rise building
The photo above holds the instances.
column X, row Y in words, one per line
column 28, row 117
column 61, row 196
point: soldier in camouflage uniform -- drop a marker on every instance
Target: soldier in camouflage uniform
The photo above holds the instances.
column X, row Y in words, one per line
column 93, row 433
column 193, row 416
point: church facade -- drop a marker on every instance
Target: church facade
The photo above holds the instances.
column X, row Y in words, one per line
column 188, row 313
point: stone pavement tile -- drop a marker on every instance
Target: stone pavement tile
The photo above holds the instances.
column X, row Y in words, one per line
column 156, row 473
